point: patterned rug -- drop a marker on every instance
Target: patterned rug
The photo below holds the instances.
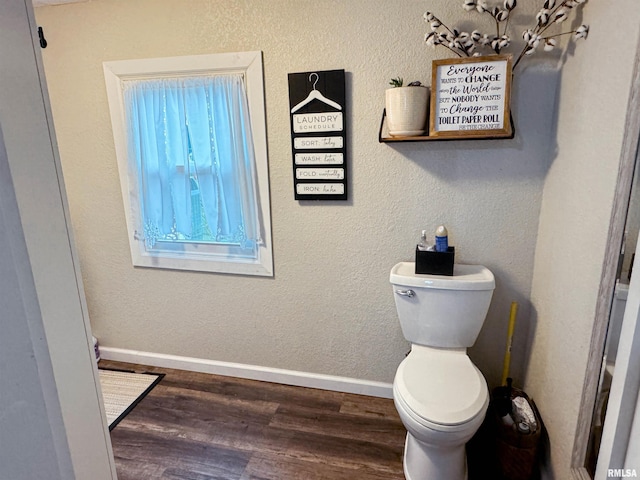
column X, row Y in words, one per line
column 123, row 390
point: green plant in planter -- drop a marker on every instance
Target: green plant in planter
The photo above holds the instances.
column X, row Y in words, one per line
column 406, row 107
column 399, row 82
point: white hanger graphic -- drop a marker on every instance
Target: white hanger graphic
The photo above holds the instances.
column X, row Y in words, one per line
column 315, row 95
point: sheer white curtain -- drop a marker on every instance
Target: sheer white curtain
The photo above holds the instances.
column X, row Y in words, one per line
column 198, row 128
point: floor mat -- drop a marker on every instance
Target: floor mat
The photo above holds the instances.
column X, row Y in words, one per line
column 123, row 390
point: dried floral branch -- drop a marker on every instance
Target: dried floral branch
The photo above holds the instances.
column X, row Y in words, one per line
column 471, row 44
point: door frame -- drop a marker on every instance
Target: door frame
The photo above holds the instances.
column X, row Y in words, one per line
column 630, row 144
column 36, row 175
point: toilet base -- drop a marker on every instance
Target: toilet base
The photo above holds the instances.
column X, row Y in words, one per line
column 428, row 462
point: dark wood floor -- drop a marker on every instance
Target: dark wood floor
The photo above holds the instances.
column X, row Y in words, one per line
column 195, row 426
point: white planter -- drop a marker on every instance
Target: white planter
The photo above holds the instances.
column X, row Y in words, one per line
column 407, row 109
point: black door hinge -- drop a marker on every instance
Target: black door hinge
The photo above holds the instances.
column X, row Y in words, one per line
column 43, row 42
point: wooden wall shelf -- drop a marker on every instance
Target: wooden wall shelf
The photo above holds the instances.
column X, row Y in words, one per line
column 384, row 137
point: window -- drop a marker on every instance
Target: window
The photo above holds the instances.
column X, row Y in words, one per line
column 190, row 141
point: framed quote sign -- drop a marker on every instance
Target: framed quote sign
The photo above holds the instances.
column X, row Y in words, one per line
column 470, row 97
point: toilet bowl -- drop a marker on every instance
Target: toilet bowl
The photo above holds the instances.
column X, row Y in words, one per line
column 442, row 399
column 440, row 395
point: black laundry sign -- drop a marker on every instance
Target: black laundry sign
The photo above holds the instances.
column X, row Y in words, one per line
column 318, row 135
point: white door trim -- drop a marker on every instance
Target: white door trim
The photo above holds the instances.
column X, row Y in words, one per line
column 621, row 408
column 36, row 174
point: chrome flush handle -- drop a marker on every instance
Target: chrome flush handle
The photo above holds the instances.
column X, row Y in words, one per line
column 406, row 293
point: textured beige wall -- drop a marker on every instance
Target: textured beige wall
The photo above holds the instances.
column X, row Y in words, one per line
column 576, row 208
column 330, row 308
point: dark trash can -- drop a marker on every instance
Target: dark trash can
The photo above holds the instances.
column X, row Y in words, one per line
column 518, row 428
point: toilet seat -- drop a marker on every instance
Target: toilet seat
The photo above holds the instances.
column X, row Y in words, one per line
column 441, row 389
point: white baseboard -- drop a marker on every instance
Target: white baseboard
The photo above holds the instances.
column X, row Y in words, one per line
column 252, row 372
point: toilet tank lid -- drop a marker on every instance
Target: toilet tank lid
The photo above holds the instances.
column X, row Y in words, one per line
column 465, row 277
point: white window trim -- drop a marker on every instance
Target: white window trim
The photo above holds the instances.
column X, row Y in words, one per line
column 250, row 65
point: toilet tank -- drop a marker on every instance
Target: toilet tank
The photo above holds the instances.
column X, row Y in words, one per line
column 442, row 311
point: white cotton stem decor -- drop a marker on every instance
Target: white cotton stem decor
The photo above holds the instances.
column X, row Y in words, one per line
column 476, row 43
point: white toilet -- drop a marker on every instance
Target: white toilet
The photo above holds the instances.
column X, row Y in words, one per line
column 440, row 395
